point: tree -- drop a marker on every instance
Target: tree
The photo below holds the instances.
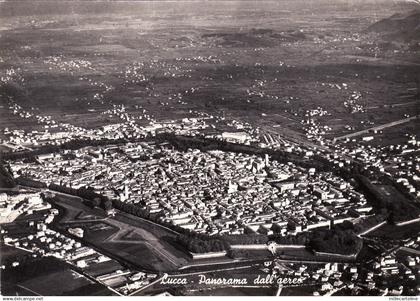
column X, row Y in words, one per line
column 107, row 205
column 291, row 226
column 96, row 202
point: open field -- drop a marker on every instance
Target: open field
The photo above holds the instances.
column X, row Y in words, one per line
column 169, row 59
column 47, row 277
column 131, row 240
column 10, row 253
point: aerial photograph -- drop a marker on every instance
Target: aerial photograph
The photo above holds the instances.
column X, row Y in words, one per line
column 210, row 148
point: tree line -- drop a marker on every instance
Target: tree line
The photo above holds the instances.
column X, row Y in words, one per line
column 6, row 178
column 201, row 243
column 92, row 198
column 339, row 241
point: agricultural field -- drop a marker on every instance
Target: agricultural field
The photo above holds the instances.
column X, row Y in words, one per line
column 163, row 61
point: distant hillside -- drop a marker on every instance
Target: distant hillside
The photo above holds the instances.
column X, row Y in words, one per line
column 403, row 27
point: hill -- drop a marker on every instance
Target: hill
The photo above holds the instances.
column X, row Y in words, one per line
column 402, row 27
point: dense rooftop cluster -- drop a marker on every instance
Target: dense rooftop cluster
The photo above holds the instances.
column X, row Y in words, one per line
column 12, row 75
column 68, row 65
column 211, row 192
column 399, row 161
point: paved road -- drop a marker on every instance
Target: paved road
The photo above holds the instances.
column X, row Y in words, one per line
column 279, row 290
column 380, row 127
column 403, row 104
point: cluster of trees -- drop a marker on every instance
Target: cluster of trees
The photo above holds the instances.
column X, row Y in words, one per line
column 400, row 212
column 246, row 239
column 131, row 209
column 336, row 240
column 94, row 199
column 31, row 183
column 398, row 208
column 299, row 239
column 257, row 239
column 340, row 240
column 199, row 243
column 245, row 253
column 6, row 178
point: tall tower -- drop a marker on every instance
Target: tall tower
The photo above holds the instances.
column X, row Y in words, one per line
column 267, row 162
column 126, row 192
